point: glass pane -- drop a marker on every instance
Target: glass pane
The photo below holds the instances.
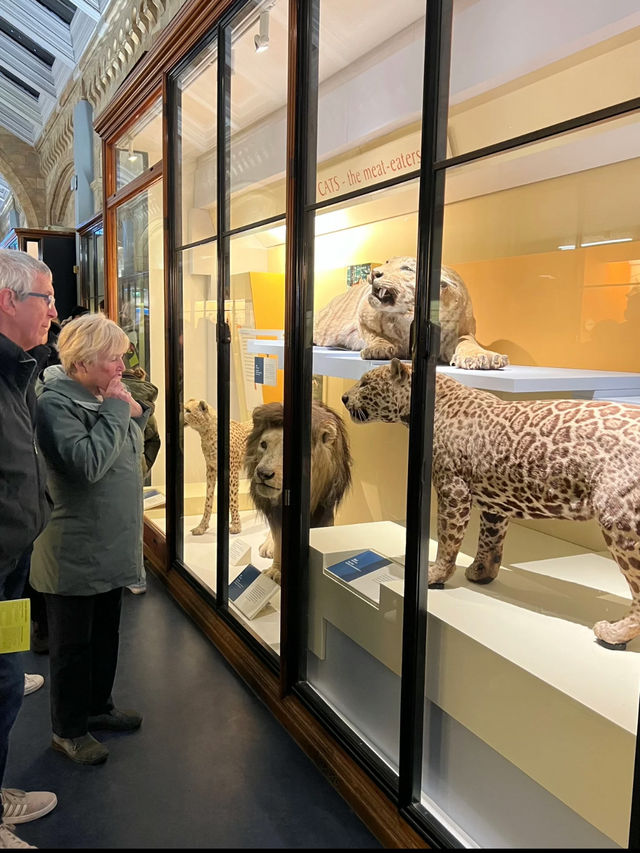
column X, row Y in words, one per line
column 92, row 260
column 198, row 399
column 196, row 159
column 370, row 93
column 258, row 113
column 99, row 257
column 140, row 147
column 87, row 255
column 518, row 66
column 356, row 563
column 255, row 314
column 547, row 240
column 140, row 240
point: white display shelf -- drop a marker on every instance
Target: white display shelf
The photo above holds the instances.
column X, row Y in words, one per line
column 511, row 657
column 515, row 379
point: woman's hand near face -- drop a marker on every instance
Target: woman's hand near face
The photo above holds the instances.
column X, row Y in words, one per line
column 116, row 389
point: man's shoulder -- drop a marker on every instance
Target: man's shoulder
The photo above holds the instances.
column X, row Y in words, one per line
column 10, row 352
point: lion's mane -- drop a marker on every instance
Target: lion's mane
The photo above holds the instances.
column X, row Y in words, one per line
column 330, row 462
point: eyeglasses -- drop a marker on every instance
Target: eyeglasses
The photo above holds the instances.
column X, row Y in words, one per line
column 51, row 300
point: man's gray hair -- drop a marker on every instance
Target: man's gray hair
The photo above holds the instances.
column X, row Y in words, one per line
column 18, row 270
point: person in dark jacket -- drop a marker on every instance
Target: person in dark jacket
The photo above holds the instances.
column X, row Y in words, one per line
column 89, row 431
column 39, row 629
column 27, row 307
column 135, row 378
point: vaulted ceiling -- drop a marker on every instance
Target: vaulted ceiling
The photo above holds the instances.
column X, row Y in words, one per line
column 41, row 42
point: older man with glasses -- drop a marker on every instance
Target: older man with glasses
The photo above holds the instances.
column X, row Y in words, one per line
column 27, row 306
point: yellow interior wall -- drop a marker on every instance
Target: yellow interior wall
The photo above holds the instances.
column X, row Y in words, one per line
column 267, row 292
column 380, row 453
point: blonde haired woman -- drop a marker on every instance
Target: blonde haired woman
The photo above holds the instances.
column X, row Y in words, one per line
column 90, row 431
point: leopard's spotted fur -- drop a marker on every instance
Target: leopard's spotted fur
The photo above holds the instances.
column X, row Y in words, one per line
column 199, row 415
column 522, row 459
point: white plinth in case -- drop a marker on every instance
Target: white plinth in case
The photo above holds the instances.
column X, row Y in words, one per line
column 521, row 644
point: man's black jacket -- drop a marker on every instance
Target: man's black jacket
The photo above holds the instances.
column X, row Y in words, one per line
column 24, row 508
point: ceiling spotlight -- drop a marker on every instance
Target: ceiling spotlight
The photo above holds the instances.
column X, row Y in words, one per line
column 132, row 156
column 261, row 41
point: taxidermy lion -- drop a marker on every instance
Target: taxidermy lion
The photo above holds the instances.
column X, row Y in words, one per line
column 199, row 415
column 573, row 459
column 375, row 317
column 330, row 470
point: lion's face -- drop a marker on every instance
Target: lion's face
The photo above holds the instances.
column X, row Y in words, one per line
column 393, row 286
column 267, row 475
column 199, row 415
column 381, row 394
column 330, row 462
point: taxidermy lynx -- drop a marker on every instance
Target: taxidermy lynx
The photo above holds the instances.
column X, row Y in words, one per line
column 572, row 459
column 202, row 417
column 375, row 317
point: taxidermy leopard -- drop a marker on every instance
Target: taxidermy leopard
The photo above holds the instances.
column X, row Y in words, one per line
column 375, row 317
column 571, row 459
column 203, row 418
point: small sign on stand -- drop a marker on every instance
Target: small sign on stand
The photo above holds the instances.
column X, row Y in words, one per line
column 252, row 590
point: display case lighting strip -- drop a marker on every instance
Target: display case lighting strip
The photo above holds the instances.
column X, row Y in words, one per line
column 595, row 243
column 602, row 242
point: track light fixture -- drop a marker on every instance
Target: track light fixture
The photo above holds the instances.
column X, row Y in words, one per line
column 261, row 40
column 132, row 155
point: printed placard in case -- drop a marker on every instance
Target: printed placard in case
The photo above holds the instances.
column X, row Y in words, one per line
column 252, row 590
column 364, row 572
column 153, row 497
column 239, row 552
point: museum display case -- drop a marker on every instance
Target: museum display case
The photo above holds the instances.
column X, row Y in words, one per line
column 91, row 236
column 398, row 285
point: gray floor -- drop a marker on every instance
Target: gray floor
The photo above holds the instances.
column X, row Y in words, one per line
column 209, row 768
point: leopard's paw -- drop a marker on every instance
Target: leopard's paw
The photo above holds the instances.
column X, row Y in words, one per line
column 440, row 572
column 235, row 527
column 200, row 529
column 617, row 634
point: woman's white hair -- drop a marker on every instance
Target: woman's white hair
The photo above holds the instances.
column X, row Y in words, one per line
column 18, row 271
column 89, row 337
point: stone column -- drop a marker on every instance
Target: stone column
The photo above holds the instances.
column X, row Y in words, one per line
column 83, row 159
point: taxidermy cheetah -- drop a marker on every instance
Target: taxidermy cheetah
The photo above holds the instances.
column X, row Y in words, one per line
column 202, row 417
column 375, row 317
column 571, row 459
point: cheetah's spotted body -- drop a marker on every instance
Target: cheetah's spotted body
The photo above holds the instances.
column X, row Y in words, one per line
column 522, row 459
column 202, row 417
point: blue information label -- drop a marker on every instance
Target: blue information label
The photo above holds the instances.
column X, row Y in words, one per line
column 244, row 579
column 358, row 566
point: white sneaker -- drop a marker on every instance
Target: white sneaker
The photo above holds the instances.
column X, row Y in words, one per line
column 32, row 683
column 8, row 839
column 23, row 806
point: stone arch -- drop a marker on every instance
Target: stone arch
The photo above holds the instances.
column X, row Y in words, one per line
column 60, row 197
column 20, row 192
